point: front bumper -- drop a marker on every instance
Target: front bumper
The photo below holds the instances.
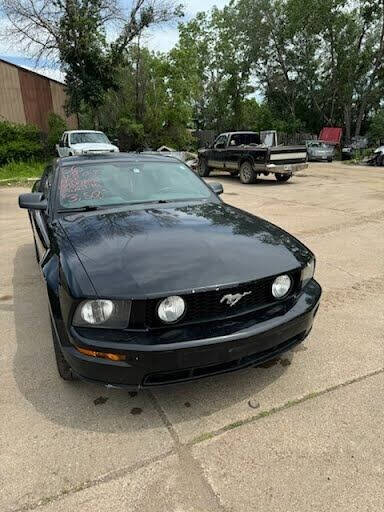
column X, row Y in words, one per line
column 320, row 158
column 160, row 364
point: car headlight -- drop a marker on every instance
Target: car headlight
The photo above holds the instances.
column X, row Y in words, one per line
column 281, row 286
column 308, row 272
column 106, row 314
column 171, row 309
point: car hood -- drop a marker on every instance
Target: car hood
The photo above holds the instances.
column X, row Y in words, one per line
column 94, row 146
column 156, row 251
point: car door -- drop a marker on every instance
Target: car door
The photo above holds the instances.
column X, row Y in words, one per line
column 218, row 151
column 63, row 148
column 39, row 218
column 234, row 153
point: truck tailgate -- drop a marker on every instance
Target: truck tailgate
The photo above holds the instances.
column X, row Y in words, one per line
column 286, row 155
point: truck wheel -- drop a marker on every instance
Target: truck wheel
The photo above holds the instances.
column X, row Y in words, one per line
column 281, row 178
column 247, row 174
column 203, row 169
column 63, row 367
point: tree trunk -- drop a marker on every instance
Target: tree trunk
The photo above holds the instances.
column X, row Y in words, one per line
column 360, row 117
column 347, row 122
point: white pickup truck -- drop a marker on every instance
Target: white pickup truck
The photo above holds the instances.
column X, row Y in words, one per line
column 81, row 142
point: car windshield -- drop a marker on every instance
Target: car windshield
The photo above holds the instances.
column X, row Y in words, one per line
column 319, row 145
column 89, row 137
column 118, row 183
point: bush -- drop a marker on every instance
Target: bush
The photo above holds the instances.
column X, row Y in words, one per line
column 376, row 129
column 56, row 127
column 19, row 142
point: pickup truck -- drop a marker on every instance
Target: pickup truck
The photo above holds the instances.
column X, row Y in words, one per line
column 252, row 154
column 80, row 142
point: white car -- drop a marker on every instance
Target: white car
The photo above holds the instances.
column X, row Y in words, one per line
column 80, row 142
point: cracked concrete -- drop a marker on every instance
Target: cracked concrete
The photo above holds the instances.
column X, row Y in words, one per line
column 314, row 441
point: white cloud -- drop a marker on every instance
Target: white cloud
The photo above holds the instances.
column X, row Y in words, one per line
column 162, row 39
column 194, row 6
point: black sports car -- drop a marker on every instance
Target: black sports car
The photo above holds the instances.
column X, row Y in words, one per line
column 152, row 279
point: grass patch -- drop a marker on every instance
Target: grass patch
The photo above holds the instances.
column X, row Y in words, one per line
column 20, row 171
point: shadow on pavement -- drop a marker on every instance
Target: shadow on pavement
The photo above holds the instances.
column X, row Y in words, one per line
column 266, row 181
column 89, row 407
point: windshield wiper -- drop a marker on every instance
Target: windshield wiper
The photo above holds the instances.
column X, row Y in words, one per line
column 80, row 209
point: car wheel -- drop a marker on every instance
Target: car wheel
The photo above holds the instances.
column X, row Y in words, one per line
column 203, row 169
column 281, row 178
column 247, row 174
column 330, row 160
column 65, row 371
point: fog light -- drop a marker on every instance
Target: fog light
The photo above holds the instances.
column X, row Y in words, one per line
column 171, row 309
column 281, row 286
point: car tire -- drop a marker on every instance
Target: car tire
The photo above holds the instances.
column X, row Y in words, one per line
column 65, row 371
column 330, row 160
column 282, row 178
column 203, row 169
column 247, row 174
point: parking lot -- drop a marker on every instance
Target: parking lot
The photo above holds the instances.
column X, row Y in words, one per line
column 302, row 433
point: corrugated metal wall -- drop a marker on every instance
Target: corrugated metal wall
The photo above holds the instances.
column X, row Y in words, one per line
column 58, row 99
column 27, row 97
column 11, row 101
column 37, row 98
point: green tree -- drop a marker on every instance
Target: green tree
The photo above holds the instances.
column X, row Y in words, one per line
column 376, row 128
column 56, row 127
column 76, row 32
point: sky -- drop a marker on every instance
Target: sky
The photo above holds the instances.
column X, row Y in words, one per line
column 160, row 39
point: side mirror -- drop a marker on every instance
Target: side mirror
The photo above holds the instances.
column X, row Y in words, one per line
column 217, row 188
column 33, row 201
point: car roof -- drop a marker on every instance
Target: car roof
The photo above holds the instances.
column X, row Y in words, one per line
column 114, row 157
column 240, row 133
column 83, row 131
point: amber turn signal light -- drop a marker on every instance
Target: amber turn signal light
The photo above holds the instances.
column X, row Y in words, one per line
column 101, row 355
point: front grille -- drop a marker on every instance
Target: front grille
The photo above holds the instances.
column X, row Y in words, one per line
column 208, row 305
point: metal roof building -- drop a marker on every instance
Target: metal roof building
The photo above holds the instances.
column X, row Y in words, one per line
column 28, row 97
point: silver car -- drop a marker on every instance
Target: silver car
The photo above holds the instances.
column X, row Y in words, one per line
column 319, row 151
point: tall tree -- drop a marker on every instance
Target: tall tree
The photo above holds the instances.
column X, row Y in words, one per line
column 75, row 32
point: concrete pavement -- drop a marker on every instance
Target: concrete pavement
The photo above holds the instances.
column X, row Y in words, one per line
column 246, row 441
